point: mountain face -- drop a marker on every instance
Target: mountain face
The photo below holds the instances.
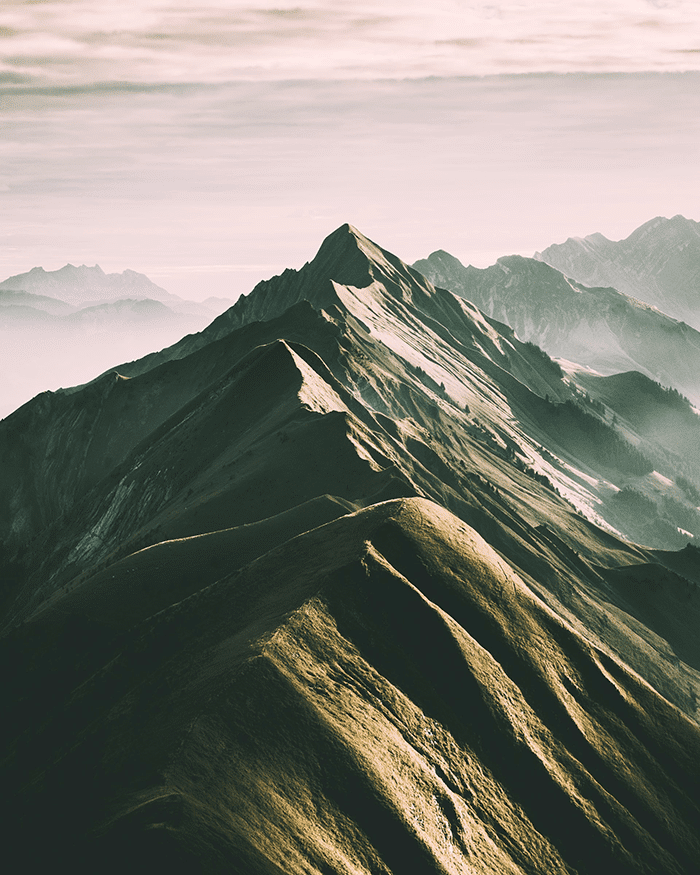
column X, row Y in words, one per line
column 597, row 327
column 658, row 263
column 308, row 592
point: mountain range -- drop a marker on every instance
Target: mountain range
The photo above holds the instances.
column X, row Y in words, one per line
column 347, row 582
column 85, row 286
column 59, row 328
column 598, row 327
column 658, row 263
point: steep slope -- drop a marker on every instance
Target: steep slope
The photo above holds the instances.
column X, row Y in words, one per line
column 597, row 327
column 365, row 698
column 60, row 445
column 659, row 416
column 307, row 593
column 658, row 263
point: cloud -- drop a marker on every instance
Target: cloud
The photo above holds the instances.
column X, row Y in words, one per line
column 78, row 41
column 227, row 180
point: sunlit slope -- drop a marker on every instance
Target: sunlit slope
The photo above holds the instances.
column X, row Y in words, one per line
column 382, row 694
column 330, row 588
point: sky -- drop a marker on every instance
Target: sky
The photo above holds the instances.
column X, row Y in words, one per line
column 212, row 144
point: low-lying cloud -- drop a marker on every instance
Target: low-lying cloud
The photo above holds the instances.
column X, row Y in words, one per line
column 81, row 41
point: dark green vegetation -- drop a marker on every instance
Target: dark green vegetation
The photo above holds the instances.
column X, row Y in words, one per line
column 307, row 593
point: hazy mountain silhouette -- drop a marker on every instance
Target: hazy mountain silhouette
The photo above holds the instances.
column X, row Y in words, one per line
column 658, row 263
column 87, row 286
column 597, row 327
column 59, row 328
column 11, row 299
column 320, row 590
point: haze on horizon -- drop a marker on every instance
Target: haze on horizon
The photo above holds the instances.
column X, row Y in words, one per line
column 213, row 146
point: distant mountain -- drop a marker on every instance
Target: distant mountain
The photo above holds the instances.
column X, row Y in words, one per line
column 108, row 317
column 658, row 263
column 598, row 327
column 137, row 313
column 329, row 588
column 85, row 285
column 46, row 342
column 88, row 286
column 13, row 298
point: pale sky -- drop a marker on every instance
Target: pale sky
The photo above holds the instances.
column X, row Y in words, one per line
column 212, row 144
column 86, row 41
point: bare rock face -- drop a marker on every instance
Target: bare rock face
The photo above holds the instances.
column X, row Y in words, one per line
column 331, row 588
column 659, row 263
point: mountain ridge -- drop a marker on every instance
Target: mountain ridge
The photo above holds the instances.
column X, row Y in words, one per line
column 659, row 263
column 594, row 326
column 301, row 594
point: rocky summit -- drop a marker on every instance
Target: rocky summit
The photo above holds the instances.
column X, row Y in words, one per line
column 352, row 581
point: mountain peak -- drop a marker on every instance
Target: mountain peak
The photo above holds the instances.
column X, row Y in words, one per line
column 75, row 270
column 350, row 258
column 346, row 255
column 658, row 263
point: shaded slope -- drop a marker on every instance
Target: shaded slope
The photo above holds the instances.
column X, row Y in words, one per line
column 663, row 601
column 656, row 414
column 242, row 450
column 59, row 446
column 364, row 698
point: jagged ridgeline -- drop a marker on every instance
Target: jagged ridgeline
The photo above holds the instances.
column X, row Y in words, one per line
column 338, row 585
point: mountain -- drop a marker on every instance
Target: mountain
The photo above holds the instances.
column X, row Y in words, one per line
column 85, row 286
column 47, row 342
column 658, row 263
column 597, row 327
column 300, row 593
column 11, row 300
column 45, row 347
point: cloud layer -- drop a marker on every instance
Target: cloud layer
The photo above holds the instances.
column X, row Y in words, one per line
column 208, row 189
column 62, row 42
